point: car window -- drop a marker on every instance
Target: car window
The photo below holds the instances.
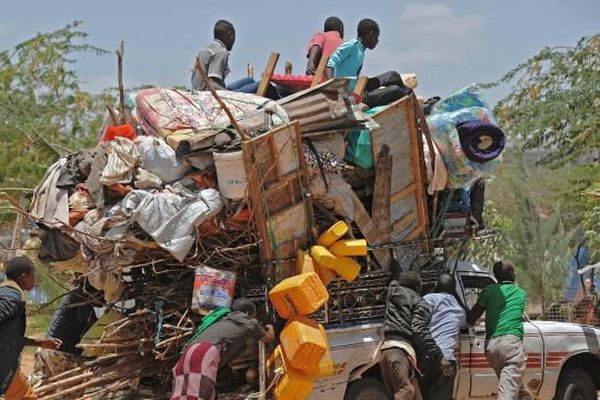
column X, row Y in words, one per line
column 472, row 285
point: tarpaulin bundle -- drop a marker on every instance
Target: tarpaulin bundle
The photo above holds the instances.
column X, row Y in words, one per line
column 470, row 156
column 481, row 140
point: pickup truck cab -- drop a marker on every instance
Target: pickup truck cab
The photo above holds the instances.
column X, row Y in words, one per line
column 563, row 359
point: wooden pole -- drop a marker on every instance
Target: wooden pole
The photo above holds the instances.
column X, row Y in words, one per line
column 206, row 81
column 15, row 242
column 262, row 380
column 120, row 53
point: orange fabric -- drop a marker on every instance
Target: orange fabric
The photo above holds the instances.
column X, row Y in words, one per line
column 204, row 179
column 19, row 389
column 125, row 131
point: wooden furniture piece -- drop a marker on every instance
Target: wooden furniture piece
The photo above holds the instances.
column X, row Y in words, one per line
column 282, row 214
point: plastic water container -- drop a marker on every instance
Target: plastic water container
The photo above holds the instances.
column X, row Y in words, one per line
column 212, row 289
column 304, row 262
column 231, row 175
column 356, row 247
column 326, row 274
column 332, row 234
column 345, row 267
column 299, row 295
column 304, row 343
column 293, row 384
column 323, row 256
column 326, row 367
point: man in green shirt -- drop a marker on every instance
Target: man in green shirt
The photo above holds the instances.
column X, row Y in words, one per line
column 504, row 304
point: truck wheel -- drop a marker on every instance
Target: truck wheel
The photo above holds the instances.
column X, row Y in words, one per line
column 366, row 389
column 575, row 384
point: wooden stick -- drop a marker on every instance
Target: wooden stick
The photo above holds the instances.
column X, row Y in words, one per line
column 223, row 106
column 318, row 76
column 267, row 74
column 112, row 115
column 120, row 53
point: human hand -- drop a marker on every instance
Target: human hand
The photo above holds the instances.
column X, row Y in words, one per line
column 50, row 343
column 446, row 366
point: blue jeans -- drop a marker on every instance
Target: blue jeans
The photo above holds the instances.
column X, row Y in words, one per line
column 244, row 85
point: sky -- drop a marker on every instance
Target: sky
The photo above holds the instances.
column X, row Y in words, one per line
column 448, row 44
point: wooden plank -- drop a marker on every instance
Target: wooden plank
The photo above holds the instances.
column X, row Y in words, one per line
column 267, row 74
column 361, row 84
column 410, row 189
column 398, row 130
column 380, row 210
column 404, row 221
column 414, row 234
column 418, row 161
column 318, row 76
column 369, row 231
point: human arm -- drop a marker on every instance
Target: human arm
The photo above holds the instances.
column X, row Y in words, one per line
column 474, row 314
column 46, row 343
column 269, row 335
column 314, row 58
column 9, row 306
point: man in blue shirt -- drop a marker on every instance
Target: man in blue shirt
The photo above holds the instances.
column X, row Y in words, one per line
column 347, row 61
column 447, row 317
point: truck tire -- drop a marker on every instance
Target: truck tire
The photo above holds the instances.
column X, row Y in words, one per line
column 367, row 389
column 575, row 384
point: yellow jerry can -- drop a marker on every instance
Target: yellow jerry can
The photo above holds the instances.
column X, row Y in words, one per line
column 292, row 384
column 345, row 267
column 323, row 256
column 303, row 344
column 326, row 368
column 349, row 248
column 304, row 262
column 299, row 295
column 332, row 234
column 326, row 274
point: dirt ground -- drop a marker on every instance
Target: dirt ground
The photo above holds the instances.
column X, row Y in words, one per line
column 27, row 361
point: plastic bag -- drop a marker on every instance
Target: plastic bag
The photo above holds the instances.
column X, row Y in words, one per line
column 160, row 159
column 359, row 151
column 212, row 289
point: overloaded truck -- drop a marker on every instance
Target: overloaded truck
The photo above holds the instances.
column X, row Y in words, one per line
column 235, row 192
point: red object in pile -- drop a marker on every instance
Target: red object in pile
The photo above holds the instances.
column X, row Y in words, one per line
column 125, row 131
column 293, row 82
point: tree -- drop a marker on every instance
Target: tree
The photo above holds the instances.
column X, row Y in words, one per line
column 43, row 111
column 555, row 101
column 542, row 246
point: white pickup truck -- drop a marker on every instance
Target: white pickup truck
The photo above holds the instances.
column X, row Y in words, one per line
column 563, row 359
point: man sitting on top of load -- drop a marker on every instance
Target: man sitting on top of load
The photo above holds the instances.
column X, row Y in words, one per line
column 215, row 61
column 322, row 44
column 347, row 61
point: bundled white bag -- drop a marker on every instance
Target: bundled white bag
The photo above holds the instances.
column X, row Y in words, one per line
column 160, row 159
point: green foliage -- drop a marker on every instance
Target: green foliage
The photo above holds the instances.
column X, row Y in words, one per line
column 43, row 111
column 555, row 101
column 591, row 221
column 542, row 246
column 487, row 251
